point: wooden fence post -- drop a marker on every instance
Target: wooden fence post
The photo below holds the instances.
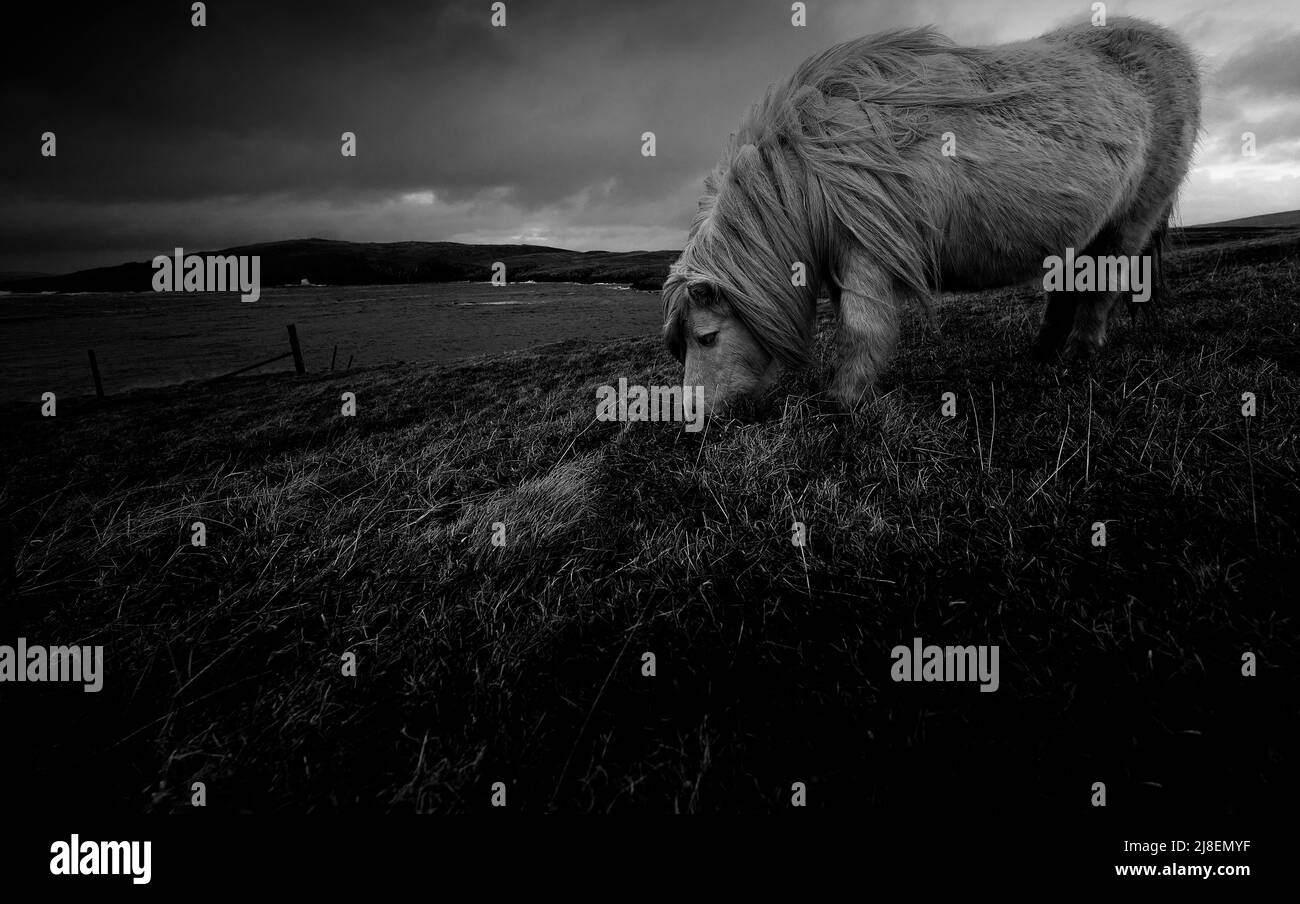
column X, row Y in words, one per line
column 94, row 371
column 297, row 350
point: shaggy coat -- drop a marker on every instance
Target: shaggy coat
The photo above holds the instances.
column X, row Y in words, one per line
column 1076, row 139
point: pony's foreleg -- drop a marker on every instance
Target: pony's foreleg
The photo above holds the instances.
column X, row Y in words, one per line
column 1089, row 332
column 867, row 329
column 1156, row 246
column 1058, row 316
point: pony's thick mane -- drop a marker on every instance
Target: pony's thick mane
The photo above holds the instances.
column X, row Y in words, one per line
column 818, row 166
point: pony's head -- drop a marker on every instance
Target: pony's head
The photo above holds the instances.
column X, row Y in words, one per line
column 740, row 302
column 705, row 332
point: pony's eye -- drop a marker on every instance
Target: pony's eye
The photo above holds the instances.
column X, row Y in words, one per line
column 700, row 292
column 707, row 339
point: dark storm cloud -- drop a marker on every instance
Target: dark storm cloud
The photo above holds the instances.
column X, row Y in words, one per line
column 1268, row 66
column 147, row 107
column 149, row 110
column 169, row 134
column 1277, row 133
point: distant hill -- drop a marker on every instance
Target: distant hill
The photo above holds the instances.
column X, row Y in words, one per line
column 1234, row 231
column 327, row 262
column 1281, row 218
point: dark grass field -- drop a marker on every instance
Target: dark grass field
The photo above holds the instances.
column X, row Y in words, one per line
column 522, row 664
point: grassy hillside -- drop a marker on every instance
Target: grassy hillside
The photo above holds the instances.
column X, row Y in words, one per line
column 522, row 664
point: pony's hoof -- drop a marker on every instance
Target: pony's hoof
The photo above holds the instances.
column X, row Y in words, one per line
column 850, row 393
column 1080, row 351
column 840, row 405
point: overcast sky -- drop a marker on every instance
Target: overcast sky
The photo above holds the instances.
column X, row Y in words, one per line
column 209, row 137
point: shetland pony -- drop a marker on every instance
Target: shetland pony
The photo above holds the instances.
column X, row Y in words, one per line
column 894, row 166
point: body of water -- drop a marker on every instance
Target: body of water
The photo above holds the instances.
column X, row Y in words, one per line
column 155, row 339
